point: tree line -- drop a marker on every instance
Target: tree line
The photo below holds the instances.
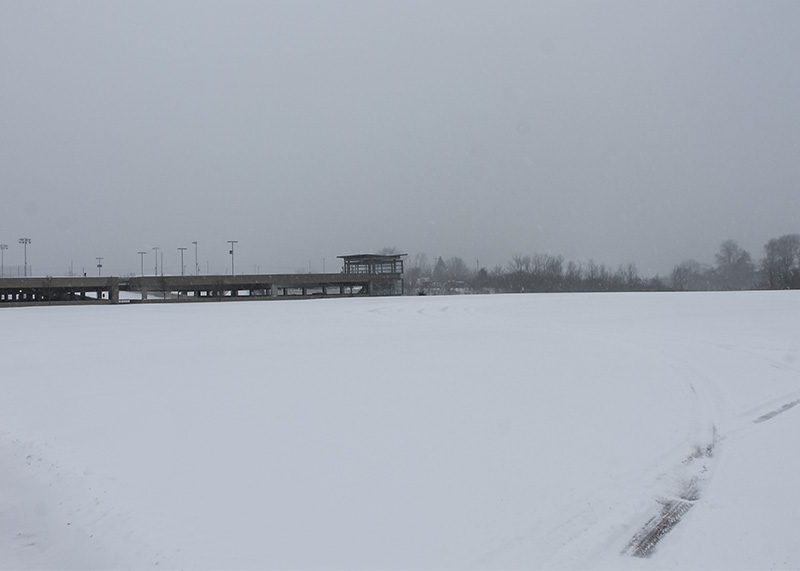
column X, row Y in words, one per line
column 734, row 269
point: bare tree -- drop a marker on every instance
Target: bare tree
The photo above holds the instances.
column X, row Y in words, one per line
column 596, row 276
column 781, row 263
column 572, row 278
column 457, row 270
column 418, row 272
column 632, row 280
column 690, row 275
column 520, row 264
column 519, row 272
column 735, row 270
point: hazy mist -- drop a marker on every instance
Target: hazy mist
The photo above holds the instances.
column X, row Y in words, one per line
column 644, row 132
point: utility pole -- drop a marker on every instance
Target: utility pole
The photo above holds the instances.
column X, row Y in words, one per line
column 155, row 250
column 3, row 248
column 99, row 266
column 232, row 242
column 182, row 251
column 25, row 242
column 196, row 265
column 141, row 257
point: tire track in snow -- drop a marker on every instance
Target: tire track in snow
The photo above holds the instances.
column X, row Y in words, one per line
column 776, row 412
column 695, row 472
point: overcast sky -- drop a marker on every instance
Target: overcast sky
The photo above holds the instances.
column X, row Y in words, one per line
column 644, row 132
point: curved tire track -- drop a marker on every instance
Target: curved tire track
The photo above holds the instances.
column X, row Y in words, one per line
column 695, row 472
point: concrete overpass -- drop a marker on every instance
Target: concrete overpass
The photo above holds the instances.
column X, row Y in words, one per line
column 362, row 274
column 50, row 290
column 150, row 289
column 260, row 286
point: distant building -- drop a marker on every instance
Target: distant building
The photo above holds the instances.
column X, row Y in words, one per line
column 388, row 266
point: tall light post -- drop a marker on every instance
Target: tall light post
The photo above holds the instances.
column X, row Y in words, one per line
column 3, row 248
column 99, row 266
column 155, row 251
column 232, row 242
column 196, row 265
column 182, row 251
column 141, row 258
column 25, row 242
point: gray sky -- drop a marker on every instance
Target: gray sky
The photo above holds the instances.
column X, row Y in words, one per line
column 643, row 132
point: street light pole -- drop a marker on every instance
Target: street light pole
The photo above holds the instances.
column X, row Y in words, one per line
column 3, row 248
column 99, row 266
column 196, row 265
column 182, row 251
column 25, row 242
column 141, row 257
column 232, row 242
column 155, row 250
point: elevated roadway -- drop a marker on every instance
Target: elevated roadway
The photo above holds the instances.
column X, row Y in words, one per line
column 148, row 289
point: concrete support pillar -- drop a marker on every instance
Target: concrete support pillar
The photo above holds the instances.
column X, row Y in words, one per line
column 113, row 294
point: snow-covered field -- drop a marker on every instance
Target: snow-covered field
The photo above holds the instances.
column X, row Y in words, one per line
column 524, row 431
